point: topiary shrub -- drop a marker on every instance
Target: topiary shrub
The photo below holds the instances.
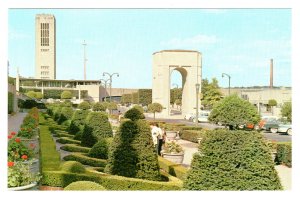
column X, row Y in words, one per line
column 84, row 186
column 78, row 136
column 72, row 166
column 134, row 114
column 84, row 105
column 99, row 107
column 232, row 160
column 100, row 149
column 65, row 114
column 132, row 152
column 78, row 121
column 284, row 153
column 100, row 124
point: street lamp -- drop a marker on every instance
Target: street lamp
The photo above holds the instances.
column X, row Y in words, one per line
column 229, row 81
column 197, row 107
column 110, row 78
column 105, row 85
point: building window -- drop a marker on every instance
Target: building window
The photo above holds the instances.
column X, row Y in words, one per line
column 44, row 34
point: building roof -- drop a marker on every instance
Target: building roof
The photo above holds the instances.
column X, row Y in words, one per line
column 176, row 50
column 59, row 80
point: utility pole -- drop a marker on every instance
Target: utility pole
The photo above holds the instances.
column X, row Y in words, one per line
column 84, row 59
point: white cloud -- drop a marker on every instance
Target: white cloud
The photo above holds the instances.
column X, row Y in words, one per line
column 191, row 42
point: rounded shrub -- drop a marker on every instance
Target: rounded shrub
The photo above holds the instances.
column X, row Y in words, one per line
column 84, row 186
column 78, row 121
column 73, row 167
column 100, row 149
column 132, row 152
column 78, row 135
column 66, row 94
column 66, row 114
column 84, row 105
column 99, row 107
column 98, row 121
column 134, row 114
column 232, row 160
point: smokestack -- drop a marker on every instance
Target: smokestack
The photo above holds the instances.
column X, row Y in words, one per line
column 271, row 73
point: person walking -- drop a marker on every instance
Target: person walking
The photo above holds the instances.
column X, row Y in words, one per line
column 154, row 133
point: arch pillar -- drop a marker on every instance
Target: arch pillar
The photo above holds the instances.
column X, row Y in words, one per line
column 188, row 63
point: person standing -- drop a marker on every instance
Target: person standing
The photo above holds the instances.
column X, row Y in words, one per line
column 154, row 133
column 160, row 138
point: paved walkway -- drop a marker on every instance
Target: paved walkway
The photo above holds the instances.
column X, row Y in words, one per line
column 14, row 122
column 284, row 173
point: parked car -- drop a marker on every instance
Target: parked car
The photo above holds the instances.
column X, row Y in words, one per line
column 203, row 116
column 285, row 128
column 188, row 116
column 269, row 123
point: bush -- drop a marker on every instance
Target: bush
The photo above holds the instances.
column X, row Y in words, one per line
column 66, row 140
column 140, row 108
column 65, row 114
column 75, row 148
column 132, row 152
column 145, row 96
column 134, row 114
column 84, row 186
column 284, row 153
column 99, row 107
column 99, row 150
column 62, row 179
column 78, row 121
column 233, row 111
column 72, row 166
column 78, row 136
column 85, row 160
column 10, row 102
column 232, row 160
column 173, row 169
column 66, row 94
column 192, row 135
column 84, row 105
column 49, row 157
column 97, row 127
column 155, row 108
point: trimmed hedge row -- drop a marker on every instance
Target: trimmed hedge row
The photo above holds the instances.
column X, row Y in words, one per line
column 75, row 148
column 173, row 169
column 284, row 153
column 110, row 182
column 10, row 102
column 86, row 160
column 67, row 140
column 63, row 134
column 192, row 135
column 191, row 128
column 50, row 158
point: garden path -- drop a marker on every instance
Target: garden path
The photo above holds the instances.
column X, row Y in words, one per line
column 284, row 172
column 14, row 122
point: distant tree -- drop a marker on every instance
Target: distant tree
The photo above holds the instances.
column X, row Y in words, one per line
column 286, row 111
column 135, row 98
column 66, row 95
column 145, row 96
column 211, row 93
column 99, row 107
column 175, row 93
column 154, row 108
column 126, row 98
column 178, row 102
column 272, row 103
column 112, row 106
column 233, row 111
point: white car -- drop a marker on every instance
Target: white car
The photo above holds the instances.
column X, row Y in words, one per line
column 285, row 128
column 203, row 116
column 188, row 116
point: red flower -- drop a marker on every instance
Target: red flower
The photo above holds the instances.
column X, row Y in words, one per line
column 24, row 157
column 10, row 164
column 32, row 145
column 13, row 133
column 10, row 136
column 18, row 140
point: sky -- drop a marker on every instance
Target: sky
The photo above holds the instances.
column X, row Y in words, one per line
column 238, row 42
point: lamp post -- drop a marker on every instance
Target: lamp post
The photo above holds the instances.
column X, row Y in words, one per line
column 105, row 85
column 197, row 107
column 110, row 78
column 229, row 81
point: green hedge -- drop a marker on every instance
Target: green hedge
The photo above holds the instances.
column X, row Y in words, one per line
column 85, row 160
column 173, row 169
column 110, row 182
column 75, row 148
column 49, row 157
column 73, row 167
column 191, row 128
column 192, row 135
column 10, row 102
column 284, row 153
column 84, row 186
column 63, row 134
column 67, row 140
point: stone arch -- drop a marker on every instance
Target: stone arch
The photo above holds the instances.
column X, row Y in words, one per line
column 188, row 63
